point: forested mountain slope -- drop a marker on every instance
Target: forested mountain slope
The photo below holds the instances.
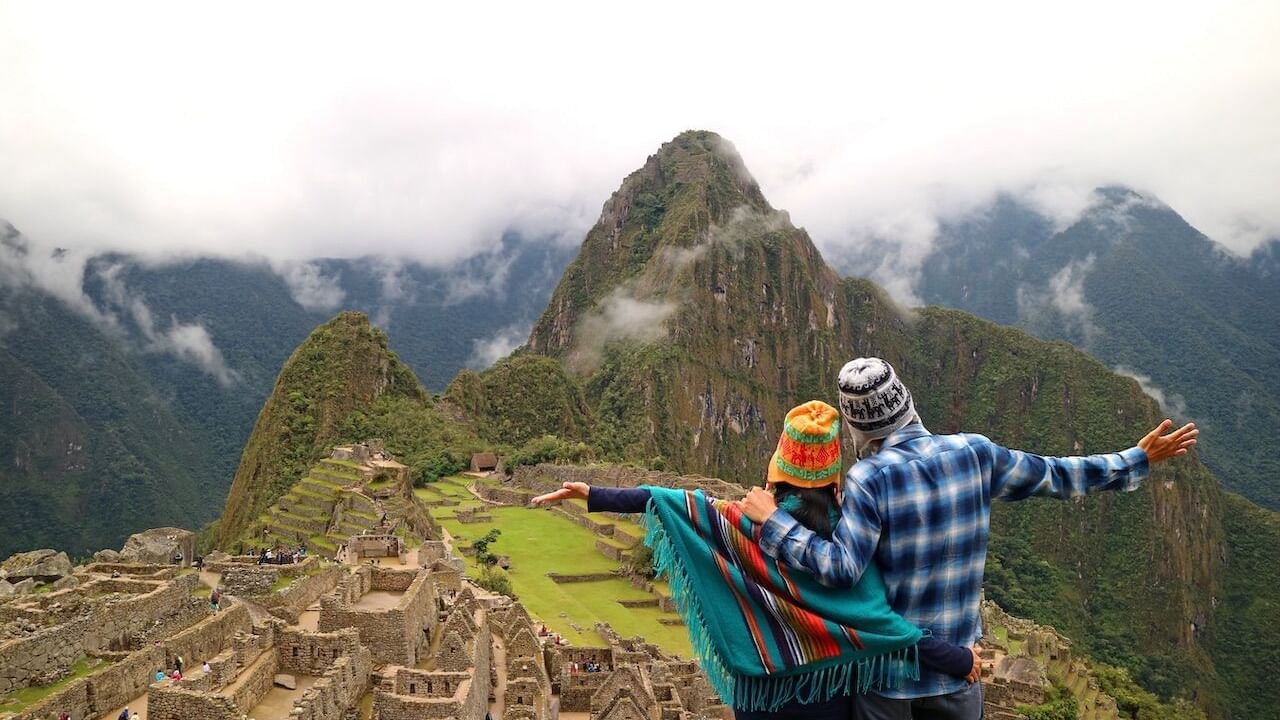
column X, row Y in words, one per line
column 1133, row 284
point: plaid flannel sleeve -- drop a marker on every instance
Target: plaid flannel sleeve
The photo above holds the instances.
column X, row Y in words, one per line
column 1016, row 475
column 838, row 562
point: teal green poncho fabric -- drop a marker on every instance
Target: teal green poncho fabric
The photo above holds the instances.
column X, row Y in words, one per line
column 764, row 634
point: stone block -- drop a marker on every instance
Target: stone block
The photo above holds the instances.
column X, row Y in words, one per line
column 286, row 681
column 41, row 565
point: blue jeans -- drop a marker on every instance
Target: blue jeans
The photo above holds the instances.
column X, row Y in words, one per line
column 837, row 708
column 960, row 705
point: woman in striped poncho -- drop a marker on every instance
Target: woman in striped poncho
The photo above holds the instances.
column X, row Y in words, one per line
column 774, row 642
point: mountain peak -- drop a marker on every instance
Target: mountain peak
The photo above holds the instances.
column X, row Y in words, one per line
column 668, row 238
column 343, row 365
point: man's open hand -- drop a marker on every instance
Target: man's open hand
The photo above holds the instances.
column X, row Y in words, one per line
column 758, row 505
column 1160, row 447
column 568, row 491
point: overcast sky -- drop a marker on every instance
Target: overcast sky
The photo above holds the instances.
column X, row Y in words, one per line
column 305, row 130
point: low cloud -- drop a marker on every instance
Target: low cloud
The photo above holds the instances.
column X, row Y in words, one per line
column 1064, row 299
column 487, row 351
column 1172, row 403
column 396, row 288
column 310, row 287
column 620, row 317
column 189, row 342
column 363, row 154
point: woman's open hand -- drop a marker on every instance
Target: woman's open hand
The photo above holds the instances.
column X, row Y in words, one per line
column 975, row 673
column 568, row 491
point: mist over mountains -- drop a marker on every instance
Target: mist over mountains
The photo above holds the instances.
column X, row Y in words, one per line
column 135, row 385
column 1132, row 283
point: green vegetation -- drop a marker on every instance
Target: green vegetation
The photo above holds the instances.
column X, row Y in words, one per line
column 343, row 366
column 18, row 700
column 548, row 449
column 521, row 398
column 538, row 542
column 1134, row 702
column 1059, row 705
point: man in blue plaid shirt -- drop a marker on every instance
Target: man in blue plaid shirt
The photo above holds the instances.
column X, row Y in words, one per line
column 918, row 505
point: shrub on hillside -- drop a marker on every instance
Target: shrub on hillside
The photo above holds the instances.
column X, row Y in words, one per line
column 496, row 580
column 548, row 449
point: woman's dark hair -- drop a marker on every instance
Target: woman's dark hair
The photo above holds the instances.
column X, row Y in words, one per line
column 814, row 510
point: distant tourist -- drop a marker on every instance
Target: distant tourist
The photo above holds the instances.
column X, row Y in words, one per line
column 176, row 675
column 135, row 716
column 177, row 558
column 205, row 667
column 66, row 716
column 115, row 574
column 124, row 714
column 177, row 663
column 160, row 676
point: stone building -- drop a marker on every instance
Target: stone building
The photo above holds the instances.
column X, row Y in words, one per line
column 393, row 610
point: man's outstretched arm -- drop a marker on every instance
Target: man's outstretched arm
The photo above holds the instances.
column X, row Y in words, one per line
column 1017, row 475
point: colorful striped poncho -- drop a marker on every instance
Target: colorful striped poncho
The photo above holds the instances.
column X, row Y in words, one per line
column 764, row 634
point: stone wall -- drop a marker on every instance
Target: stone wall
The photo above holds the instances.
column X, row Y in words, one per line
column 208, row 637
column 561, row 578
column 131, row 673
column 289, row 603
column 542, row 478
column 392, row 580
column 249, row 581
column 255, row 682
column 396, row 635
column 306, row 653
column 334, row 695
column 171, row 702
column 470, row 691
column 106, row 624
column 136, row 570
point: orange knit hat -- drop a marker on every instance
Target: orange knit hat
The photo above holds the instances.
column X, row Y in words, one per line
column 808, row 452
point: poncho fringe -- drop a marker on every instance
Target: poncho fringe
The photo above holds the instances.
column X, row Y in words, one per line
column 816, row 682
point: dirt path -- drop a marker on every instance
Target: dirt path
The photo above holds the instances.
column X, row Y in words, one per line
column 279, row 701
column 499, row 664
column 138, row 704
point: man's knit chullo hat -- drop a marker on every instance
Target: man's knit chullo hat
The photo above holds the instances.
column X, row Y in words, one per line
column 873, row 401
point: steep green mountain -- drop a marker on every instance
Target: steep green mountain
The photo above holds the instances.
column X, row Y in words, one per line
column 90, row 452
column 696, row 314
column 343, row 366
column 1133, row 284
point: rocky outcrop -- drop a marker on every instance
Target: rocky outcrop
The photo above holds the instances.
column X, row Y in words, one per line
column 39, row 565
column 106, row 556
column 158, row 546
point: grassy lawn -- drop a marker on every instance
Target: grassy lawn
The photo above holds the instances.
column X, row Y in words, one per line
column 17, row 700
column 538, row 542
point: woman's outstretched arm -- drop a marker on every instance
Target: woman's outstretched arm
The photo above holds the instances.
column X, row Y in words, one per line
column 599, row 498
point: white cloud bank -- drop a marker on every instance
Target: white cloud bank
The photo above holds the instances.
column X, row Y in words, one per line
column 423, row 132
column 60, row 273
column 1172, row 403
